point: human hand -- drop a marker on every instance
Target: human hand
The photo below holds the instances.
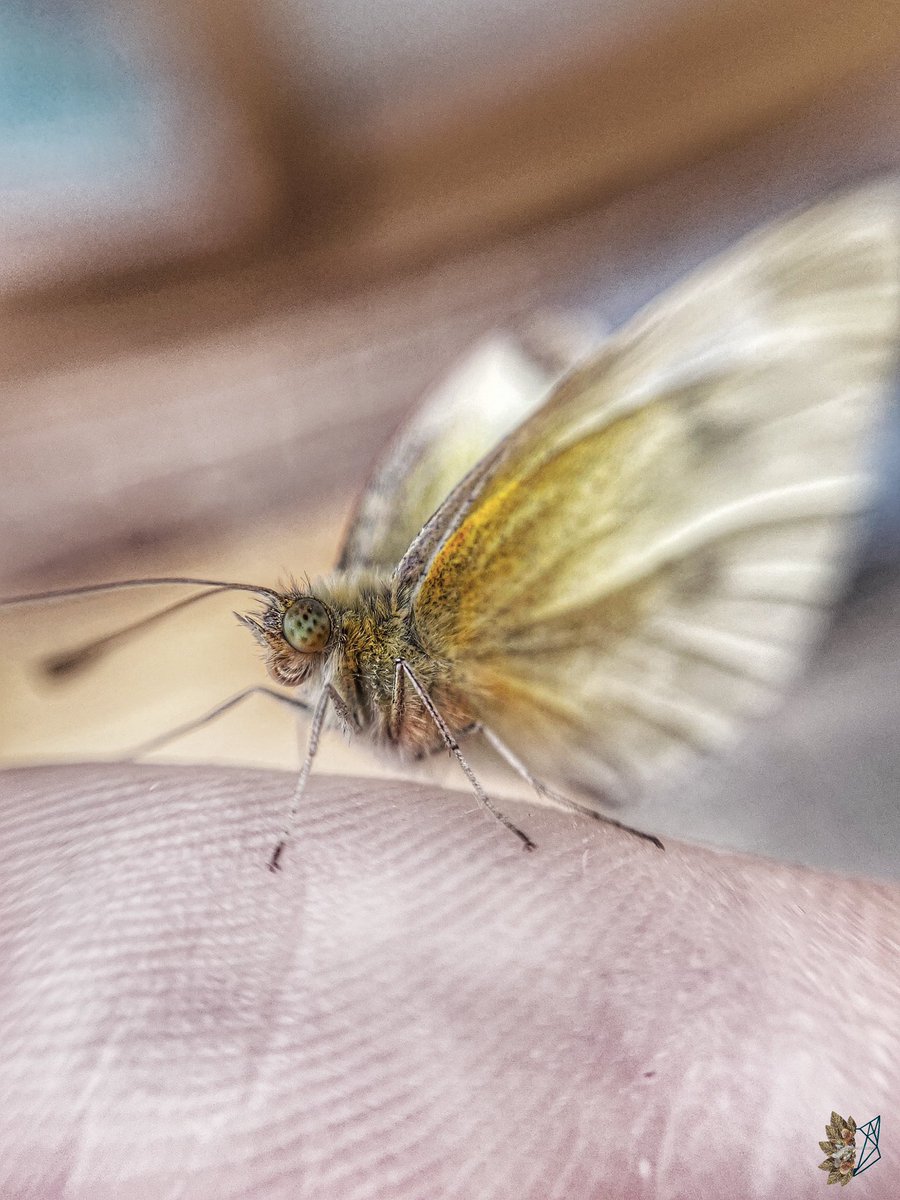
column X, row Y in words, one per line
column 413, row 1007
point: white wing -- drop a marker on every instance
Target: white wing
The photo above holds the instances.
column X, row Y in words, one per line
column 643, row 563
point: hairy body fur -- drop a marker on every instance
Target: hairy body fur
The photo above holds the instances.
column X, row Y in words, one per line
column 372, row 630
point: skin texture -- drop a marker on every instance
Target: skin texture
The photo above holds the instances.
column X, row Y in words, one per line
column 414, row 1007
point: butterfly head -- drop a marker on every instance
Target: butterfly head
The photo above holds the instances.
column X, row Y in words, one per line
column 296, row 631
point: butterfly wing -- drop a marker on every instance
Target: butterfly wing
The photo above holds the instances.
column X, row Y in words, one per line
column 643, row 562
column 490, row 393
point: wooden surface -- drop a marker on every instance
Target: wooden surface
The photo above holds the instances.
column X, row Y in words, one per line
column 250, row 146
column 684, row 84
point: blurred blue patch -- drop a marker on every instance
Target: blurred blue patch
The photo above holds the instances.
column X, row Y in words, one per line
column 74, row 106
column 883, row 543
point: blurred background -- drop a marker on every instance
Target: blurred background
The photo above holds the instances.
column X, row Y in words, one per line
column 238, row 243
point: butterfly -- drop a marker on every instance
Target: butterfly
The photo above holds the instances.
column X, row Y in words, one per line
column 608, row 580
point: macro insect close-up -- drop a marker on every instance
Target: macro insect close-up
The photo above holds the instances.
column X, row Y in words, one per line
column 620, row 573
column 449, row 592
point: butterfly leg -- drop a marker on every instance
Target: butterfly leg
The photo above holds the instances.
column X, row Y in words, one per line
column 343, row 710
column 403, row 670
column 232, row 702
column 398, row 705
column 398, row 700
column 542, row 790
column 328, row 696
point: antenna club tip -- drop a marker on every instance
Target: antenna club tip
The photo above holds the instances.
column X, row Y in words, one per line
column 58, row 666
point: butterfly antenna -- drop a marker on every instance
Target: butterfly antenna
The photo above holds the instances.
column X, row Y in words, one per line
column 79, row 656
column 68, row 662
column 119, row 585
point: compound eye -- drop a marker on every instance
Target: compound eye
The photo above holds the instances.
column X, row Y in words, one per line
column 306, row 625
